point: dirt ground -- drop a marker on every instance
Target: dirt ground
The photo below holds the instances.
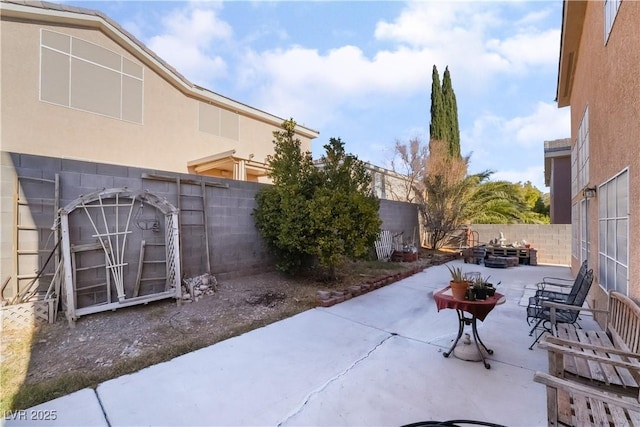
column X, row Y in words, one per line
column 109, row 344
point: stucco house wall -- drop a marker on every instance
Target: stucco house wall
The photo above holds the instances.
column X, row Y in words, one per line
column 601, row 75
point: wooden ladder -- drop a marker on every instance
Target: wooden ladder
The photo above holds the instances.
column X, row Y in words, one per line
column 192, row 206
column 27, row 284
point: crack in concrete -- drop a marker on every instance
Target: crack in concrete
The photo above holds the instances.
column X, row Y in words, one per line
column 335, row 378
column 106, row 417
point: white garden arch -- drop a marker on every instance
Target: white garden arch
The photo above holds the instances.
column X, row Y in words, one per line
column 109, row 213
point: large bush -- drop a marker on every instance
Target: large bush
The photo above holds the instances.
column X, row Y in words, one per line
column 327, row 212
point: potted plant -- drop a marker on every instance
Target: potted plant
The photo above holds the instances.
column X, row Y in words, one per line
column 480, row 289
column 458, row 284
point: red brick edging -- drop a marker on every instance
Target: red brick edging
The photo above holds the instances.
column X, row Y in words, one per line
column 329, row 298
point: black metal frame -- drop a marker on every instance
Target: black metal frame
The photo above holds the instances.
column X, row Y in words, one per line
column 536, row 311
column 462, row 321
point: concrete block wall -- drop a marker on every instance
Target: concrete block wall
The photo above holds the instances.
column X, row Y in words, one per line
column 234, row 242
column 401, row 217
column 235, row 245
column 553, row 241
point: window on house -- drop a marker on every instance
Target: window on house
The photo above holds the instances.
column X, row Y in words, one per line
column 218, row 121
column 379, row 187
column 584, row 230
column 610, row 12
column 579, row 232
column 81, row 75
column 613, row 224
column 574, row 170
column 575, row 230
column 580, row 156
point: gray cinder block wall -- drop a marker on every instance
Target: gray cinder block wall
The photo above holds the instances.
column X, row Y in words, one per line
column 553, row 241
column 235, row 246
column 401, row 218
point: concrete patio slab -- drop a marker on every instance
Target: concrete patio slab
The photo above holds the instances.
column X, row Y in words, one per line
column 81, row 408
column 372, row 360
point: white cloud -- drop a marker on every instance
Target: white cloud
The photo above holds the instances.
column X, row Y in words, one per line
column 509, row 145
column 428, row 24
column 495, row 50
column 545, row 122
column 534, row 174
column 187, row 38
column 533, row 18
column 309, row 84
column 527, row 50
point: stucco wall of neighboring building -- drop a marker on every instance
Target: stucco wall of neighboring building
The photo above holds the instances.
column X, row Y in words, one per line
column 167, row 139
column 607, row 80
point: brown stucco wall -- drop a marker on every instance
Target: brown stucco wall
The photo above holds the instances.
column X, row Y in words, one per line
column 607, row 79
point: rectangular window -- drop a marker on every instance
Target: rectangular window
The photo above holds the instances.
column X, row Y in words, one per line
column 218, row 121
column 574, row 170
column 610, row 12
column 580, row 156
column 81, row 75
column 575, row 230
column 613, row 223
column 379, row 187
column 584, row 231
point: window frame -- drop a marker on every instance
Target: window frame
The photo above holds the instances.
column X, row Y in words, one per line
column 610, row 223
column 610, row 13
column 125, row 74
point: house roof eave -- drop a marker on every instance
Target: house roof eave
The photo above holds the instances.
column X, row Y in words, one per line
column 573, row 13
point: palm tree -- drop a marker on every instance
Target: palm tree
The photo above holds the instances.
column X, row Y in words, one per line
column 450, row 198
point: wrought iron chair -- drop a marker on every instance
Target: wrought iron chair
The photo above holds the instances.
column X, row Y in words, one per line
column 541, row 315
column 557, row 293
column 556, row 287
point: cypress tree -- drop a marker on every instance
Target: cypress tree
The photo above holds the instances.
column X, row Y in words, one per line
column 438, row 129
column 451, row 113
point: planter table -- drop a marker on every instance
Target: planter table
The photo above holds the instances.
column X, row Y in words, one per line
column 478, row 309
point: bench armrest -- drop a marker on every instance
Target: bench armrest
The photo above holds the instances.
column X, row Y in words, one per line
column 583, row 390
column 611, row 350
column 559, row 348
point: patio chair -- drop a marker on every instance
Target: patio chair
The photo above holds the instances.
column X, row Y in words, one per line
column 562, row 291
column 540, row 314
column 555, row 287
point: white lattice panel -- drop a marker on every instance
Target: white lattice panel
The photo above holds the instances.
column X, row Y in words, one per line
column 27, row 314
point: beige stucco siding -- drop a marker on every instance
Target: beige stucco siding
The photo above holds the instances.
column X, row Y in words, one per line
column 607, row 79
column 167, row 138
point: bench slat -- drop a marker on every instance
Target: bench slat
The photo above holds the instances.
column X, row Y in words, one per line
column 618, row 416
column 582, row 414
column 598, row 371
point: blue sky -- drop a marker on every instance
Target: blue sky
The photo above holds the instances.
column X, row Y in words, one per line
column 361, row 71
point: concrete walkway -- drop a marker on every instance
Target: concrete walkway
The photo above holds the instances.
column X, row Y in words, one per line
column 374, row 360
